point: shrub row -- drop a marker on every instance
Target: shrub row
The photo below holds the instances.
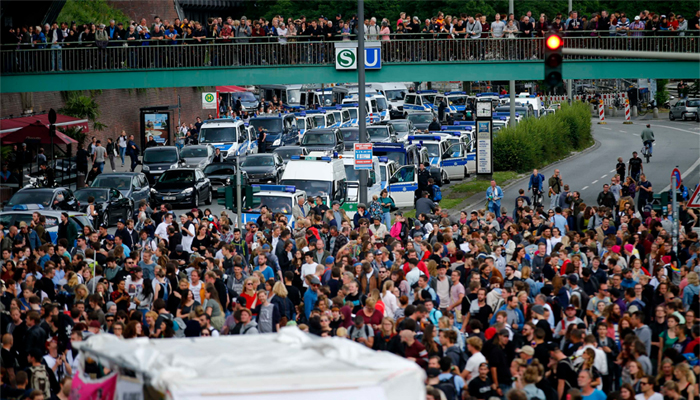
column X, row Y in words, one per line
column 536, row 142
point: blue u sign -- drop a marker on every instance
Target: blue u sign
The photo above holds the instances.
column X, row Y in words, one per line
column 373, row 58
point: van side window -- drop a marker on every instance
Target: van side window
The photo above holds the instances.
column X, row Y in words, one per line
column 410, row 99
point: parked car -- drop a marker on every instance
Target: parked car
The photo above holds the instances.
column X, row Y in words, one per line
column 221, row 174
column 685, row 109
column 323, row 139
column 287, row 152
column 53, row 218
column 42, row 199
column 159, row 159
column 263, row 168
column 197, row 156
column 186, row 186
column 133, row 185
column 421, row 119
column 403, row 128
column 110, row 204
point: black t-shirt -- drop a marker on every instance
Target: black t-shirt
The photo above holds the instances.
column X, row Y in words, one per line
column 293, row 294
column 357, row 300
column 10, row 358
column 482, row 316
column 635, row 164
column 565, row 371
column 481, row 390
column 499, row 360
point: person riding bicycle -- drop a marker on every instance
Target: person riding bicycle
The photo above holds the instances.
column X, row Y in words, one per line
column 648, row 137
column 535, row 184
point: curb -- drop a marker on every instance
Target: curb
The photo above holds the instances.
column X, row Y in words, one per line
column 475, row 199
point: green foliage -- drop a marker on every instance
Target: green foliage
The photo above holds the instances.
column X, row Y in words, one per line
column 536, row 142
column 86, row 11
column 74, row 133
column 81, row 106
column 479, row 185
column 662, row 94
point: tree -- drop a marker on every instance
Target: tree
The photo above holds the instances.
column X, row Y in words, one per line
column 81, row 106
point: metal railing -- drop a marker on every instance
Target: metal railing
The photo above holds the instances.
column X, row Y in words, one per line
column 141, row 55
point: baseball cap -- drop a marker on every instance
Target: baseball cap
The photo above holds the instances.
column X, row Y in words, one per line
column 573, row 279
column 23, row 224
column 104, row 226
column 335, row 202
column 179, row 247
column 570, row 307
column 109, row 237
column 528, row 350
column 637, row 18
column 362, row 205
column 95, row 324
column 314, row 280
column 330, row 260
column 120, row 221
column 538, row 309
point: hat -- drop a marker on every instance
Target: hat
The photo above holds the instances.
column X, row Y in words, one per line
column 615, row 249
column 441, row 266
column 629, row 247
column 266, row 246
column 362, row 205
column 194, row 209
column 95, row 324
column 378, row 253
column 81, row 237
column 573, row 279
column 109, row 305
column 679, row 16
column 570, row 307
column 663, row 16
column 330, row 260
column 433, row 372
column 335, row 202
column 314, row 280
column 666, row 259
column 109, row 237
column 179, row 247
column 445, row 259
column 398, row 214
column 554, row 347
column 242, row 301
column 632, row 309
column 104, row 226
column 528, row 350
column 22, row 224
column 538, row 309
column 120, row 221
column 637, row 18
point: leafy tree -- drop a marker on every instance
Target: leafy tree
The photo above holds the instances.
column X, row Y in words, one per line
column 90, row 11
column 81, row 106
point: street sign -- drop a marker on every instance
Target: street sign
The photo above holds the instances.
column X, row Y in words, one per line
column 677, row 173
column 363, row 156
column 484, row 148
column 694, row 201
column 209, row 101
column 346, row 58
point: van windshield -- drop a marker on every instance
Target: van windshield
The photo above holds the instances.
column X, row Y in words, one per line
column 381, row 103
column 318, row 138
column 217, row 135
column 160, row 156
column 395, row 95
column 312, row 188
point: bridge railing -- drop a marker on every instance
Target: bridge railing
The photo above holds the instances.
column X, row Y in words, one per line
column 139, row 55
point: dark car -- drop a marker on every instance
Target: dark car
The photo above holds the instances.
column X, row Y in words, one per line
column 110, row 204
column 197, row 156
column 263, row 168
column 281, row 129
column 403, row 128
column 53, row 218
column 59, row 198
column 381, row 134
column 287, row 152
column 221, row 174
column 326, row 140
column 187, row 186
column 159, row 159
column 421, row 119
column 133, row 185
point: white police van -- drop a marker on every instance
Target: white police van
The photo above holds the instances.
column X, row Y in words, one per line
column 377, row 102
column 422, row 100
column 277, row 198
column 354, row 110
column 312, row 98
column 456, row 102
column 451, row 159
column 231, row 136
column 395, row 93
column 342, row 116
column 317, row 176
column 304, row 123
column 322, row 118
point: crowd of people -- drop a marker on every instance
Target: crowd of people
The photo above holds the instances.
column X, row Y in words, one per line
column 157, row 38
column 547, row 303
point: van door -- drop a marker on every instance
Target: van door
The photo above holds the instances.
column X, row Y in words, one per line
column 454, row 160
column 403, row 185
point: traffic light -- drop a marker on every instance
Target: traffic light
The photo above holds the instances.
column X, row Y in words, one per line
column 553, row 59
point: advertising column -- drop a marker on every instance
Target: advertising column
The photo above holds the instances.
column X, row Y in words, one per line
column 484, row 138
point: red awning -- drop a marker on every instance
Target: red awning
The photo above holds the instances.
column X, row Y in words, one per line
column 230, row 89
column 14, row 124
column 34, row 132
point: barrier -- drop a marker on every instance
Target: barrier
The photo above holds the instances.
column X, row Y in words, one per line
column 601, row 114
column 628, row 120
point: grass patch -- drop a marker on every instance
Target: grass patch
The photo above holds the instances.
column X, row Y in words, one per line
column 473, row 187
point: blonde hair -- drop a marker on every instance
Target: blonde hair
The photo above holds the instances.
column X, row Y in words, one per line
column 689, row 375
column 341, row 332
column 280, row 290
column 388, row 285
column 692, row 278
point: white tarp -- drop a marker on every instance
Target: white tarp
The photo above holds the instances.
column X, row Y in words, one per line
column 290, row 363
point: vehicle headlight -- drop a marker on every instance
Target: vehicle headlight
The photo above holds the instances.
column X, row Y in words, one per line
column 187, row 191
column 146, row 168
column 277, row 142
column 153, row 191
column 173, row 166
column 228, row 181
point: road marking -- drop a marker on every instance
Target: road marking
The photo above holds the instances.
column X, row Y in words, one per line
column 612, row 170
column 594, row 182
column 678, row 129
column 686, row 174
column 608, row 129
column 603, row 176
column 635, row 134
column 623, row 131
column 584, row 188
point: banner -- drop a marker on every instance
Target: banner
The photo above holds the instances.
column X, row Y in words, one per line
column 84, row 388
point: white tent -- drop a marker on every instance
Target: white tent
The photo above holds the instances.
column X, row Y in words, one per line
column 291, row 363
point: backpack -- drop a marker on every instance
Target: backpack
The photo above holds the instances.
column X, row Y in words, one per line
column 448, row 387
column 40, row 380
column 437, row 193
column 352, row 329
column 462, row 357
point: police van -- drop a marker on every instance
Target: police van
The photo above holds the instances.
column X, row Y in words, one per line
column 281, row 129
column 377, row 102
column 407, row 154
column 395, row 93
column 304, row 123
column 354, row 110
column 450, row 159
column 317, row 176
column 341, row 115
column 322, row 118
column 312, row 98
column 386, row 169
column 457, row 103
column 457, row 134
column 231, row 136
column 422, row 100
column 287, row 94
column 277, row 198
column 493, row 96
column 374, row 185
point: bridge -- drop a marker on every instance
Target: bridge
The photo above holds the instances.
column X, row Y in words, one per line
column 137, row 64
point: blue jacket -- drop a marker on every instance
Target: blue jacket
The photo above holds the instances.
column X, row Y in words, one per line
column 688, row 293
column 357, row 216
column 536, row 181
column 498, row 192
column 310, row 298
column 521, row 317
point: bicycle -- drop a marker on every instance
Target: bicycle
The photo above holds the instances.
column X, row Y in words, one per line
column 536, row 197
column 646, row 150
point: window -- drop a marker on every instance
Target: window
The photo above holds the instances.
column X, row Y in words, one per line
column 114, row 194
column 331, row 119
column 410, row 99
column 406, row 173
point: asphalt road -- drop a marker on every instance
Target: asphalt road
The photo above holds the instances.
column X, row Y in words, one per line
column 677, row 144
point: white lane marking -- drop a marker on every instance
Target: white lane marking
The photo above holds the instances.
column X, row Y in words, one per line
column 594, row 182
column 607, row 129
column 612, row 170
column 686, row 173
column 603, row 176
column 584, row 188
column 635, row 134
column 678, row 129
column 623, row 131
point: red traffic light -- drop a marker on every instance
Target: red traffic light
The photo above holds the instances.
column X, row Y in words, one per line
column 554, row 42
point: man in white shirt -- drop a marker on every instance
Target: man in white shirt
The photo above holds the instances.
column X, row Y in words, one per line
column 162, row 229
column 648, row 392
column 471, row 370
column 187, row 229
column 309, row 267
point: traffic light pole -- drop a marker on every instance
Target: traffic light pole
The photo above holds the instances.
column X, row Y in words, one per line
column 632, row 54
column 362, row 112
column 511, row 90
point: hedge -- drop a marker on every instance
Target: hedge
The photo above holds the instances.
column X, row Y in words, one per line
column 536, row 142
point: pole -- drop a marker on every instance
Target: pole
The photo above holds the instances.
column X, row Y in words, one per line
column 674, row 208
column 362, row 112
column 179, row 106
column 568, row 81
column 511, row 7
column 511, row 93
column 239, row 205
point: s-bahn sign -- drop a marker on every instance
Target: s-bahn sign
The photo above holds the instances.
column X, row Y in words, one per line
column 346, row 56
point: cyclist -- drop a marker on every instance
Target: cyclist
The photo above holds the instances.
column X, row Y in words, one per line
column 536, row 181
column 648, row 137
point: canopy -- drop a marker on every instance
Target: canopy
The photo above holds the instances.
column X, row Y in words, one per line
column 290, row 364
column 230, row 89
column 33, row 132
column 14, row 124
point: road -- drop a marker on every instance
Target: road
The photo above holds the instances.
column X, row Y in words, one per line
column 677, row 144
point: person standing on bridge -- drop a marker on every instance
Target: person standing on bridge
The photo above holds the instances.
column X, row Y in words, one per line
column 648, row 137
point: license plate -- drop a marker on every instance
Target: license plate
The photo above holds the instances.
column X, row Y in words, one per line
column 169, row 198
column 253, row 180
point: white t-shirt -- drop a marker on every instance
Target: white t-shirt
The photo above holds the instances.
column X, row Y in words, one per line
column 187, row 239
column 121, row 141
column 195, row 292
column 162, row 232
column 655, row 396
column 473, row 363
column 307, row 269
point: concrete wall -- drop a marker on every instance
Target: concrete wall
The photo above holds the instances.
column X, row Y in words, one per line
column 148, row 9
column 119, row 108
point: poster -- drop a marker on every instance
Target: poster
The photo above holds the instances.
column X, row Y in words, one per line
column 157, row 126
column 84, row 388
column 483, row 148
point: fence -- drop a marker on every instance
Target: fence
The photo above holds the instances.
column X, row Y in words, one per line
column 137, row 55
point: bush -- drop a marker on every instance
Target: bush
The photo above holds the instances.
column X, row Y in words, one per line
column 536, row 142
